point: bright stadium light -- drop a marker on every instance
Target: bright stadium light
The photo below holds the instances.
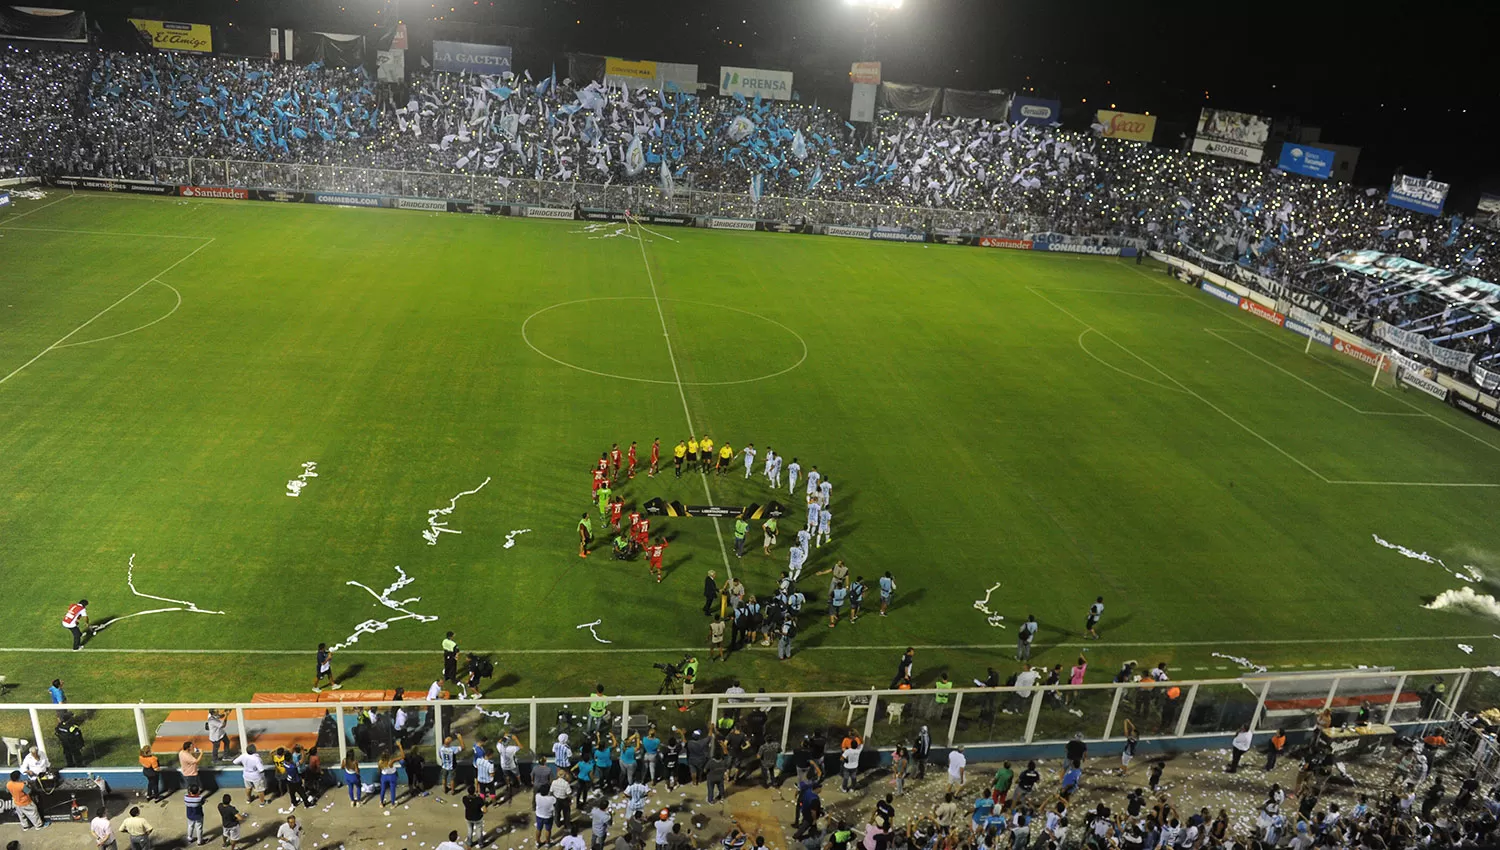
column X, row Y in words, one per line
column 875, row 4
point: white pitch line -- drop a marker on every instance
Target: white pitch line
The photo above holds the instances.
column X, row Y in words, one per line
column 122, row 300
column 1215, row 333
column 682, row 393
column 1094, row 644
column 1109, row 365
column 40, row 208
column 157, row 320
column 1414, row 483
column 100, row 232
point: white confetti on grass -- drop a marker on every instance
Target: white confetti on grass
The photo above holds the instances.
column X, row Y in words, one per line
column 181, row 604
column 590, row 627
column 1243, row 662
column 1467, row 572
column 370, row 627
column 436, row 526
column 983, row 605
column 510, row 539
column 1465, row 599
column 1468, row 650
column 294, row 486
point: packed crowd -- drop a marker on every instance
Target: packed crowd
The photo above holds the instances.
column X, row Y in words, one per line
column 118, row 115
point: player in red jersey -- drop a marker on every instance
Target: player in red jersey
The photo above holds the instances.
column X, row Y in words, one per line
column 635, row 524
column 598, row 481
column 616, row 508
column 655, row 457
column 614, row 461
column 630, row 459
column 643, row 533
column 653, row 556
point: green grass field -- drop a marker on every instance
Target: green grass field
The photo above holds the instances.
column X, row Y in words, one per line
column 1066, row 426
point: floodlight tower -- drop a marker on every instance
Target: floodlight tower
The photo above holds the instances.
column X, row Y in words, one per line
column 873, row 9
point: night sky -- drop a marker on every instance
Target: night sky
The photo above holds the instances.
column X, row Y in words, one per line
column 1412, row 89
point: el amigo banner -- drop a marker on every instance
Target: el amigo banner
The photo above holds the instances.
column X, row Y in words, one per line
column 175, row 35
column 641, row 72
column 1237, row 135
column 1416, row 194
column 1126, row 125
column 773, row 85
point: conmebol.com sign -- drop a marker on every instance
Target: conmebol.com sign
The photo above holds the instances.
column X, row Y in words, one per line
column 755, row 81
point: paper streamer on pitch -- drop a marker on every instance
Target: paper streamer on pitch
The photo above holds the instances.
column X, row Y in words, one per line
column 370, row 627
column 590, row 627
column 983, row 605
column 436, row 527
column 182, row 604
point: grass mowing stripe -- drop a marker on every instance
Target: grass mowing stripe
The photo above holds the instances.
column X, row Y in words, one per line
column 40, row 208
column 681, row 393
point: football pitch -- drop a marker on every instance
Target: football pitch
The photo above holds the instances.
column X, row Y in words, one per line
column 1065, row 427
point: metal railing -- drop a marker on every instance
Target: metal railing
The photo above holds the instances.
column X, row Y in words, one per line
column 483, row 188
column 1202, row 710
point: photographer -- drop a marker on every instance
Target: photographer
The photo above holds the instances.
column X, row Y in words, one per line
column 689, row 678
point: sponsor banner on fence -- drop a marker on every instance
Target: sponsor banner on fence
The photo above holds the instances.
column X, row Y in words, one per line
column 784, row 227
column 848, row 232
column 640, row 72
column 465, row 58
column 1475, row 410
column 1126, row 125
column 1419, row 381
column 1077, row 248
column 549, row 212
column 896, row 234
column 1360, row 353
column 755, row 81
column 1035, row 110
column 1004, row 242
column 1487, row 379
column 1418, row 344
column 1255, row 308
column 1315, row 333
column 953, row 239
column 1306, row 160
column 1488, row 212
column 731, row 223
column 175, row 35
column 145, row 187
column 477, row 208
column 280, row 196
column 4, row 199
column 340, row 199
column 1237, row 135
column 225, row 192
column 1417, row 194
column 1306, row 317
column 865, row 73
column 1221, row 294
column 424, row 204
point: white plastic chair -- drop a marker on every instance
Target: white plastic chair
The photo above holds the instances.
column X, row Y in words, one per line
column 14, row 748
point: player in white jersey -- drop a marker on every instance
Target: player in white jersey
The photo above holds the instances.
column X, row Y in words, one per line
column 825, row 492
column 749, row 454
column 775, row 474
column 813, row 507
column 770, row 462
column 799, row 557
column 813, row 478
column 804, row 537
column 792, row 472
column 825, row 525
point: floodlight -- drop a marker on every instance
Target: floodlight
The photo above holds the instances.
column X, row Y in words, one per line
column 875, row 4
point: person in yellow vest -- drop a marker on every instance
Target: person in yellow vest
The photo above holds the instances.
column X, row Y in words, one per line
column 689, row 678
column 942, row 684
column 597, row 706
column 706, row 456
column 726, row 454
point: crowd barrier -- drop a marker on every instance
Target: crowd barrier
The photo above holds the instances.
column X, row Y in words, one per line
column 988, row 722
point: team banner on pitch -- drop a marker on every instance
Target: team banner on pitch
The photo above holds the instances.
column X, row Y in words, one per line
column 1306, row 160
column 175, row 35
column 755, row 81
column 464, row 58
column 1237, row 135
column 1417, row 194
column 1126, row 125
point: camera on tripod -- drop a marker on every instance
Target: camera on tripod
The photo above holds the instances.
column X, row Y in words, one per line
column 671, row 673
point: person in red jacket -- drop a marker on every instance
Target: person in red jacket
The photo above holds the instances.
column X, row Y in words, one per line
column 653, row 556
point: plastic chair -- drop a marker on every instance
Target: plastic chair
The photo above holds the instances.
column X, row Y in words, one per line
column 14, row 748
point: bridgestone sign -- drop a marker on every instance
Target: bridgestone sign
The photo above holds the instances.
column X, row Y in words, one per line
column 548, row 212
column 421, row 204
column 731, row 224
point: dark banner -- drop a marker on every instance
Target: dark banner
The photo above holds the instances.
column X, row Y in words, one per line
column 953, row 239
column 144, row 187
column 1483, row 414
column 667, row 219
column 36, row 24
column 478, row 208
column 585, row 67
column 900, row 97
column 783, row 227
column 330, row 48
column 976, row 104
column 281, row 196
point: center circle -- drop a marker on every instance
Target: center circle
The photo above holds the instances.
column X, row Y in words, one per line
column 563, row 327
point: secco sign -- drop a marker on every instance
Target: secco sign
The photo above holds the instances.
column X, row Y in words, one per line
column 173, row 35
column 1126, row 125
column 463, row 58
column 750, row 82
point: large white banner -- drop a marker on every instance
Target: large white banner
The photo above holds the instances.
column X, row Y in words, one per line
column 755, row 81
column 390, row 66
column 1236, row 135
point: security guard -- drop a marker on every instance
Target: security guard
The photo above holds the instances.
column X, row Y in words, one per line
column 942, row 684
column 689, row 677
column 597, row 706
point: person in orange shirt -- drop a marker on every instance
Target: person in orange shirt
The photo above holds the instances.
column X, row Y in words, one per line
column 1274, row 748
column 151, row 769
column 20, row 795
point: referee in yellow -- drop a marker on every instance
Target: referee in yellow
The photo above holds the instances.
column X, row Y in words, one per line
column 726, row 454
column 692, row 450
column 706, row 456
